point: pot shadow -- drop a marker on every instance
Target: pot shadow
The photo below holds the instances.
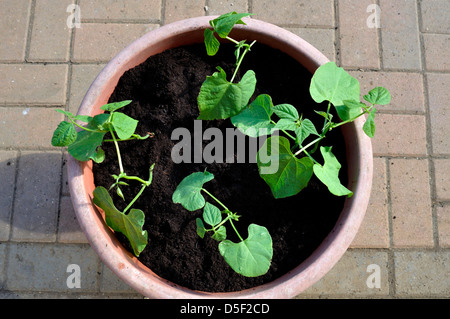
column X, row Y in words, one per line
column 34, row 198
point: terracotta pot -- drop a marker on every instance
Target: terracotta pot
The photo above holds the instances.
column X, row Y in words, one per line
column 128, row 267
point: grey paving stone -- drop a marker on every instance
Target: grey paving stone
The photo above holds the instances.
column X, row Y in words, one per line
column 354, row 275
column 8, row 164
column 424, row 273
column 44, row 267
column 37, row 197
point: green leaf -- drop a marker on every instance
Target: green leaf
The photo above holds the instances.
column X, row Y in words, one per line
column 286, row 111
column 369, row 125
column 254, row 120
column 285, row 174
column 64, row 135
column 349, row 110
column 83, row 118
column 100, row 122
column 286, row 124
column 220, row 99
column 111, row 107
column 188, row 191
column 334, row 84
column 225, row 23
column 329, row 173
column 220, row 234
column 123, row 125
column 99, row 156
column 306, row 129
column 252, row 256
column 378, row 95
column 85, row 147
column 201, row 230
column 130, row 225
column 211, row 214
column 211, row 43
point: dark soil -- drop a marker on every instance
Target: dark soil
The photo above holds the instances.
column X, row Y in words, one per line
column 164, row 91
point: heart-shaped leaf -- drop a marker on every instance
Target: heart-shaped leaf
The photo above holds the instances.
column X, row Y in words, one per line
column 211, row 214
column 285, row 174
column 378, row 95
column 130, row 225
column 220, row 99
column 225, row 23
column 329, row 173
column 254, row 120
column 86, row 146
column 124, row 125
column 306, row 129
column 334, row 84
column 188, row 191
column 286, row 111
column 252, row 256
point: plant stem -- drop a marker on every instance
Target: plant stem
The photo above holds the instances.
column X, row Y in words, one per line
column 84, row 128
column 238, row 64
column 221, row 223
column 237, row 233
column 117, row 149
column 326, row 119
column 310, row 144
column 228, row 212
column 351, row 120
column 144, row 185
column 218, row 201
column 232, row 40
column 134, row 137
column 135, row 198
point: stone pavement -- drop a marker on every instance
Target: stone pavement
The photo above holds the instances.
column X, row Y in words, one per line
column 45, row 65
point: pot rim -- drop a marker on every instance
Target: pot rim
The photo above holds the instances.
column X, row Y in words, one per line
column 128, row 267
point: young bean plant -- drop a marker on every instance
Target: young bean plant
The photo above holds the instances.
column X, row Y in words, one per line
column 250, row 257
column 296, row 163
column 85, row 144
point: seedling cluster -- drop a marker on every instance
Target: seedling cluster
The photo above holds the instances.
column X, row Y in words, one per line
column 292, row 156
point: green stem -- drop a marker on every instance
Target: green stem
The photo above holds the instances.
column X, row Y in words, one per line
column 237, row 233
column 135, row 198
column 134, row 137
column 238, row 64
column 135, row 178
column 220, row 224
column 232, row 40
column 351, row 120
column 218, row 201
column 117, row 150
column 144, row 185
column 309, row 145
column 228, row 212
column 84, row 128
column 327, row 119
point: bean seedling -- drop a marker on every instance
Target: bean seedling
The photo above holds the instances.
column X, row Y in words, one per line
column 220, row 99
column 249, row 257
column 85, row 145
